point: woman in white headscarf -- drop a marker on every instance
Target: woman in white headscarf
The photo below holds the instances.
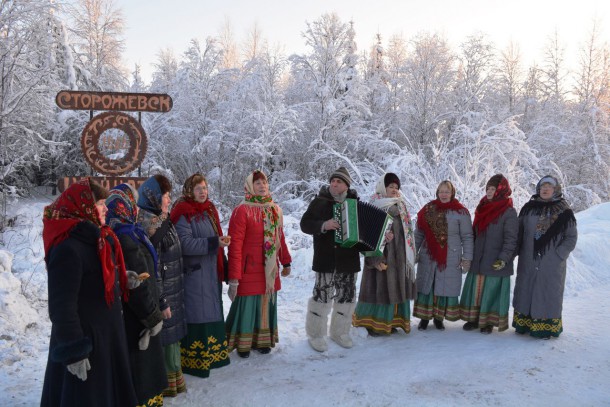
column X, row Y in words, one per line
column 547, row 236
column 388, row 281
column 256, row 251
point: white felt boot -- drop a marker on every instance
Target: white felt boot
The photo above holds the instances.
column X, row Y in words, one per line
column 341, row 322
column 316, row 324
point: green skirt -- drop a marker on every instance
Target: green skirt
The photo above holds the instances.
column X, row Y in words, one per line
column 430, row 306
column 203, row 348
column 486, row 300
column 252, row 323
column 538, row 328
column 381, row 318
column 175, row 379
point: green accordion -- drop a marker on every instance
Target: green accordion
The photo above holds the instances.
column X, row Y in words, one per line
column 362, row 226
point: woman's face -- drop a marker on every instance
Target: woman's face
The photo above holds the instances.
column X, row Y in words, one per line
column 165, row 201
column 490, row 191
column 444, row 194
column 261, row 187
column 392, row 190
column 200, row 192
column 101, row 208
column 546, row 191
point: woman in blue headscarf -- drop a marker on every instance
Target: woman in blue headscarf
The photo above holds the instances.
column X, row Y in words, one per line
column 153, row 200
column 143, row 319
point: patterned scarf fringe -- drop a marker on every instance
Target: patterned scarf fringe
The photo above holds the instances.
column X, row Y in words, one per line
column 564, row 220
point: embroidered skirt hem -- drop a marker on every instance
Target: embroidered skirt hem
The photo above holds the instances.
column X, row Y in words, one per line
column 381, row 318
column 428, row 306
column 538, row 328
column 175, row 379
column 204, row 348
column 156, row 401
column 486, row 300
column 252, row 323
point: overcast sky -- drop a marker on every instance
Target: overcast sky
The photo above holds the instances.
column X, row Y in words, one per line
column 156, row 24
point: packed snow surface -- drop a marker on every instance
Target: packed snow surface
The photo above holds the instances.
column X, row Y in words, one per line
column 450, row 368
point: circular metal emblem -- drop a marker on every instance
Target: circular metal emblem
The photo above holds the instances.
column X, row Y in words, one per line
column 135, row 143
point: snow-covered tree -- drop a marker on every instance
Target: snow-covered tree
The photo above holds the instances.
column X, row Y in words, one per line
column 429, row 78
column 591, row 178
column 97, row 27
column 475, row 73
column 327, row 92
column 509, row 93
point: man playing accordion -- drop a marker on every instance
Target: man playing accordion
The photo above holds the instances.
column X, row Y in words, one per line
column 335, row 266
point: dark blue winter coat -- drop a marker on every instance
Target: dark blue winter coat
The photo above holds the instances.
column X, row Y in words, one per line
column 84, row 326
column 142, row 312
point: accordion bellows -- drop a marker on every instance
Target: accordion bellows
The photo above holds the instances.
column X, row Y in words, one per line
column 363, row 226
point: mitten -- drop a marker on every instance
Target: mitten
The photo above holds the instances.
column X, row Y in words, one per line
column 79, row 369
column 498, row 265
column 133, row 279
column 156, row 329
column 144, row 339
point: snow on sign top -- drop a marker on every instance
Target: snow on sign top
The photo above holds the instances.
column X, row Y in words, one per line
column 130, row 102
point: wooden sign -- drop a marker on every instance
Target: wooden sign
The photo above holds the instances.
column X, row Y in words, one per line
column 128, row 102
column 112, row 154
column 106, row 182
column 135, row 141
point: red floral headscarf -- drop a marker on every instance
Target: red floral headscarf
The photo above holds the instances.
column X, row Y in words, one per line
column 76, row 204
column 488, row 211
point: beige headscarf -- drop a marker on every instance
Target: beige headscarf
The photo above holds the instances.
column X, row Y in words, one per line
column 263, row 206
column 381, row 200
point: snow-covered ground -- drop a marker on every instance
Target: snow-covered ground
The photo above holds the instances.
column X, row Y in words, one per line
column 428, row 368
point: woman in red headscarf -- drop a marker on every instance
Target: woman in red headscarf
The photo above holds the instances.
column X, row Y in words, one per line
column 256, row 251
column 443, row 239
column 485, row 298
column 198, row 226
column 88, row 359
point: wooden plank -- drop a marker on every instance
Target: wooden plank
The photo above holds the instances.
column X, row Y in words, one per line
column 106, row 182
column 120, row 101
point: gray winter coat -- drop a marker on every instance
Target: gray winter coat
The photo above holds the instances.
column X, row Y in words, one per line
column 448, row 282
column 199, row 253
column 540, row 281
column 497, row 242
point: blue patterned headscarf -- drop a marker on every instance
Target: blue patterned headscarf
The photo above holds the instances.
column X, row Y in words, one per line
column 150, row 196
column 121, row 217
